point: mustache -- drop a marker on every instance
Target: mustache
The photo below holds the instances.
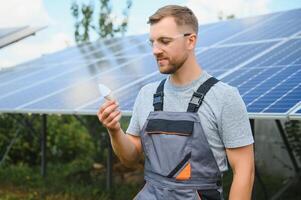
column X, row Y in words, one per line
column 161, row 58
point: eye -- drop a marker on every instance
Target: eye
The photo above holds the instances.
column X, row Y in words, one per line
column 164, row 41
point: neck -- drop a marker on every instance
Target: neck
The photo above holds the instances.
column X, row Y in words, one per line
column 188, row 72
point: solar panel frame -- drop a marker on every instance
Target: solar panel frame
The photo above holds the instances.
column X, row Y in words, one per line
column 7, row 31
column 295, row 113
column 13, row 35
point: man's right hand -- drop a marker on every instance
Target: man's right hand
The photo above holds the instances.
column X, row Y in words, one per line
column 127, row 147
column 109, row 115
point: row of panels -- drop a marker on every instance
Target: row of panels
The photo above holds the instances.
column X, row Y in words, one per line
column 15, row 84
column 224, row 58
column 263, row 27
column 49, row 82
column 266, row 73
column 137, row 45
column 261, row 92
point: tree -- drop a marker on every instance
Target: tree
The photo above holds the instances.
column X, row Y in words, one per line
column 107, row 24
column 221, row 16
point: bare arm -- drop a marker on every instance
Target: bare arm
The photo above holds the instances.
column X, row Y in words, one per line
column 242, row 163
column 127, row 147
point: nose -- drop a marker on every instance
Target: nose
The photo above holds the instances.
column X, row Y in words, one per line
column 156, row 50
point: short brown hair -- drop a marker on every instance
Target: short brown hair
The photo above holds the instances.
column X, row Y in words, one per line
column 182, row 15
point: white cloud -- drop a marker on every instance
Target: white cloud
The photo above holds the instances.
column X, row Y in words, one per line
column 15, row 13
column 19, row 13
column 208, row 11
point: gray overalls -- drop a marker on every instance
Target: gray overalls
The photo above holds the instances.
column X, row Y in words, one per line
column 179, row 164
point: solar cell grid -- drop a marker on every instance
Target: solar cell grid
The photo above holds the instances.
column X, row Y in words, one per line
column 71, row 98
column 225, row 58
column 266, row 72
column 283, row 25
column 34, row 74
column 288, row 53
column 126, row 96
column 269, row 87
column 109, row 77
column 223, row 30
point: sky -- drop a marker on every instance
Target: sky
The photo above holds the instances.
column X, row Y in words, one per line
column 56, row 15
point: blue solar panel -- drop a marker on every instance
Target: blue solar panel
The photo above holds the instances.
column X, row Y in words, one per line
column 63, row 88
column 283, row 25
column 271, row 83
column 277, row 92
column 126, row 96
column 49, row 75
column 288, row 53
column 264, row 89
column 220, row 31
column 70, row 59
column 220, row 59
column 266, row 72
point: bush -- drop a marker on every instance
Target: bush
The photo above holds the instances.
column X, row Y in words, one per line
column 67, row 139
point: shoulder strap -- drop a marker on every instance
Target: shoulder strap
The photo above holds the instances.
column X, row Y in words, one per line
column 158, row 97
column 198, row 96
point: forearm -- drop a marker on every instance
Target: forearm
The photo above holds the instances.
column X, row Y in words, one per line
column 124, row 148
column 242, row 185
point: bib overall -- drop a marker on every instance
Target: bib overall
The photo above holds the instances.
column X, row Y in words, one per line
column 179, row 164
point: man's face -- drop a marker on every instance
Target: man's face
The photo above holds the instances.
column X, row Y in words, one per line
column 169, row 45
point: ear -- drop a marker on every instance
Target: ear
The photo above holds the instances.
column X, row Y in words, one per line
column 191, row 41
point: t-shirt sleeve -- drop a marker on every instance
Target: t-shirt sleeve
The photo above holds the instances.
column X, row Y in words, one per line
column 134, row 126
column 234, row 124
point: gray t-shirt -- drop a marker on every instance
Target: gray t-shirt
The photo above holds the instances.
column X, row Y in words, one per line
column 223, row 113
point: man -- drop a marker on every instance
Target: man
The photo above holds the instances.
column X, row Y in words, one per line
column 187, row 126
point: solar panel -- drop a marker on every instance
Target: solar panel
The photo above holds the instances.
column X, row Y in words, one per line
column 271, row 83
column 11, row 35
column 218, row 60
column 49, row 80
column 288, row 21
column 220, row 32
column 7, row 31
column 261, row 56
column 273, row 89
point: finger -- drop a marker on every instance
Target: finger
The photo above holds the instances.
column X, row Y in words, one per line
column 111, row 116
column 105, row 114
column 108, row 114
column 115, row 120
column 106, row 109
column 104, row 106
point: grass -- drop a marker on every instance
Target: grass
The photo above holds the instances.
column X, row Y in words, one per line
column 67, row 182
column 61, row 182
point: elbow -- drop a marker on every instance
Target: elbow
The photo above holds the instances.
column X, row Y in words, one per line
column 129, row 163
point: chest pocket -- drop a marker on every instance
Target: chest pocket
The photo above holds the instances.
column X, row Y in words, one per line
column 168, row 147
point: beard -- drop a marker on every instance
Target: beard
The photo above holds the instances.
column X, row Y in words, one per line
column 170, row 66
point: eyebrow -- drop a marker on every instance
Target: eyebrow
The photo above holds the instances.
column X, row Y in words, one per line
column 160, row 37
column 167, row 37
column 184, row 34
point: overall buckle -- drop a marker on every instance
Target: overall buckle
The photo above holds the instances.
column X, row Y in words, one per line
column 158, row 98
column 197, row 99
